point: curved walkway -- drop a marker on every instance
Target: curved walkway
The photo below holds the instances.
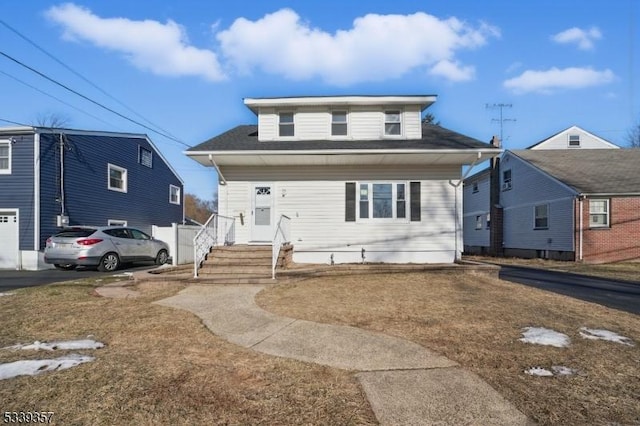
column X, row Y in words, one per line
column 404, row 382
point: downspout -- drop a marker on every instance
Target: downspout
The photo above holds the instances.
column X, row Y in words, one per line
column 62, row 207
column 223, row 181
column 580, row 230
column 455, row 202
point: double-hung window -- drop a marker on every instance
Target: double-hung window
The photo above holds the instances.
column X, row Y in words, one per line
column 506, row 180
column 117, row 178
column 5, row 157
column 174, row 194
column 574, row 141
column 339, row 123
column 392, row 123
column 599, row 213
column 383, row 201
column 286, row 125
column 541, row 216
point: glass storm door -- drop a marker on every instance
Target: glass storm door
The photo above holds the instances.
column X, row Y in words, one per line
column 262, row 213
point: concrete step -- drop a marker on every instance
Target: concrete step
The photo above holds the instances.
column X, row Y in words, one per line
column 212, row 269
column 203, row 279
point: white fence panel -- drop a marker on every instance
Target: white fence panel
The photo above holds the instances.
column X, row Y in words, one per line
column 180, row 241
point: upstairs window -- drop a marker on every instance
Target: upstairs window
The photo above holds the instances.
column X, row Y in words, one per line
column 286, row 126
column 117, row 178
column 475, row 187
column 145, row 157
column 339, row 123
column 174, row 194
column 541, row 216
column 599, row 213
column 506, row 180
column 478, row 222
column 5, row 157
column 392, row 123
column 574, row 141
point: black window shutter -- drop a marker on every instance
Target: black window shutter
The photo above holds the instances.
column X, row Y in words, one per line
column 350, row 202
column 415, row 201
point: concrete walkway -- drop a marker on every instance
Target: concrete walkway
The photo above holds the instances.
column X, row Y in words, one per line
column 406, row 384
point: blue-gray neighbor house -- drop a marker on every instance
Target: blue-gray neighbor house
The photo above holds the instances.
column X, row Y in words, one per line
column 50, row 178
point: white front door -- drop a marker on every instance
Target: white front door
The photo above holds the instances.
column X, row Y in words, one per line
column 8, row 240
column 262, row 212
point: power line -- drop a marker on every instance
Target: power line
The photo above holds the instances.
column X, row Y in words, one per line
column 34, row 44
column 56, row 98
column 11, row 58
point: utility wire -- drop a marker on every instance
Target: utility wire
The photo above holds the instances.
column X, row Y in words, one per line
column 56, row 98
column 11, row 58
column 34, row 44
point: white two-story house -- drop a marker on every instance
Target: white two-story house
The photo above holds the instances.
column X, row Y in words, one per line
column 359, row 178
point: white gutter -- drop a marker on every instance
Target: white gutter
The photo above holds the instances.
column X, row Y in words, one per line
column 345, row 151
column 223, row 181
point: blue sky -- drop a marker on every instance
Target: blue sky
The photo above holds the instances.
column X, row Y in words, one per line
column 186, row 65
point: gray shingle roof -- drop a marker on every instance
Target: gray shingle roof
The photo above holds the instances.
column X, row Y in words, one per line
column 245, row 138
column 590, row 171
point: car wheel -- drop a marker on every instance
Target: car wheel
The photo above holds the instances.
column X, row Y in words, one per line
column 109, row 263
column 162, row 257
column 65, row 267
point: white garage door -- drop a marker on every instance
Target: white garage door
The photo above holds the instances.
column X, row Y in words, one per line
column 8, row 240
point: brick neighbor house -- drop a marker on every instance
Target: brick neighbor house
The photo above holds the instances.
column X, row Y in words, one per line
column 567, row 204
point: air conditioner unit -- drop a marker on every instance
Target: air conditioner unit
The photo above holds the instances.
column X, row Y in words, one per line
column 506, row 185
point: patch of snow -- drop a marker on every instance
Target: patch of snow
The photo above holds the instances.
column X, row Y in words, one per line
column 544, row 336
column 561, row 370
column 34, row 367
column 7, row 294
column 124, row 274
column 61, row 345
column 599, row 334
column 537, row 371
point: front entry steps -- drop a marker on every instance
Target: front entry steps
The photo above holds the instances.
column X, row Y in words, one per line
column 241, row 264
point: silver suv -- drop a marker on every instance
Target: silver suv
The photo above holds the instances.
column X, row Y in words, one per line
column 106, row 247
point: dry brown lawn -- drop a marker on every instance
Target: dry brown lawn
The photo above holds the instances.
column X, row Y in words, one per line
column 160, row 366
column 629, row 271
column 477, row 321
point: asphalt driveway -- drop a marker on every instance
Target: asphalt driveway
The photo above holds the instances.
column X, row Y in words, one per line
column 617, row 294
column 11, row 280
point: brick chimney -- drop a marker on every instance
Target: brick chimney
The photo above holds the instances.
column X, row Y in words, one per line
column 496, row 230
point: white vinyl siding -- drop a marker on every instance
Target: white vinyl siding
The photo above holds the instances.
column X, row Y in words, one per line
column 315, row 123
column 314, row 199
column 563, row 141
column 536, row 188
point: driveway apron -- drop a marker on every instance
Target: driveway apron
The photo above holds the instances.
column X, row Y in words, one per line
column 405, row 383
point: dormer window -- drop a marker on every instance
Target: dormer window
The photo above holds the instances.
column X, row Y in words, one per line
column 392, row 123
column 286, row 126
column 574, row 141
column 339, row 123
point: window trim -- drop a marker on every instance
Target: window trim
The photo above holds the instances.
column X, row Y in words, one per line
column 394, row 201
column 125, row 178
column 7, row 171
column 292, row 124
column 400, row 121
column 569, row 141
column 177, row 188
column 345, row 123
column 479, row 222
column 142, row 149
column 535, row 216
column 117, row 222
column 607, row 214
column 507, row 184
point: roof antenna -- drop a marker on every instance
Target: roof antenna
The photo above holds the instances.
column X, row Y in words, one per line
column 500, row 106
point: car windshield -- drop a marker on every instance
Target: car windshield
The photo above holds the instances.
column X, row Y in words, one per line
column 75, row 232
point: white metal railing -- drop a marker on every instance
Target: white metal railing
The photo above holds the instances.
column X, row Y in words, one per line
column 216, row 229
column 281, row 237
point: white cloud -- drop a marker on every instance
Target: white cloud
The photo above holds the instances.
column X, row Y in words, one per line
column 376, row 48
column 584, row 39
column 557, row 79
column 160, row 48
